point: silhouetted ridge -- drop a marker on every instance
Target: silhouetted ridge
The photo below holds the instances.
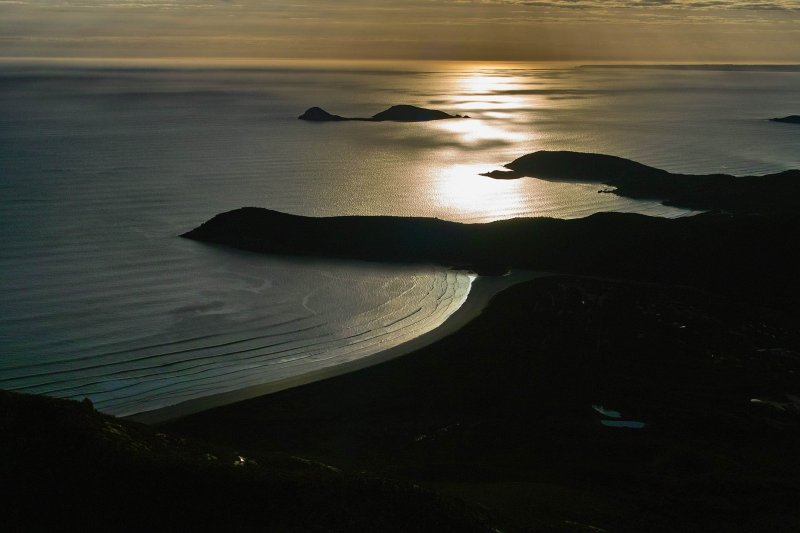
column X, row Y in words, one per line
column 791, row 119
column 317, row 114
column 756, row 253
column 583, row 166
column 410, row 113
column 752, row 194
column 396, row 113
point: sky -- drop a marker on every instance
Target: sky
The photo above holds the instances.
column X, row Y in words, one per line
column 476, row 30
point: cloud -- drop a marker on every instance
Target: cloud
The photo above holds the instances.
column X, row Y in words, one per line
column 776, row 5
column 412, row 29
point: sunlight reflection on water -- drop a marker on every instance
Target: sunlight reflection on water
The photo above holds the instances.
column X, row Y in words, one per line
column 462, row 191
column 474, row 130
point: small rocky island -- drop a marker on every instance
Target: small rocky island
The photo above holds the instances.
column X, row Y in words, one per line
column 791, row 119
column 724, row 192
column 396, row 113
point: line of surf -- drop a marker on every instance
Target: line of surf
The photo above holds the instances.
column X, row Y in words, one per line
column 480, row 292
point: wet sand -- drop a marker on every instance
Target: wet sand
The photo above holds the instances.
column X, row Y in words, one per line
column 482, row 290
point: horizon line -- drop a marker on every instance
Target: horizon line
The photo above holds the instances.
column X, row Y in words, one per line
column 211, row 59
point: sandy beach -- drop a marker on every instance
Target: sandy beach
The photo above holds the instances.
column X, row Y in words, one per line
column 482, row 290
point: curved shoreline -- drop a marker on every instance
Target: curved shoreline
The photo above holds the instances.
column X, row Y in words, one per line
column 481, row 291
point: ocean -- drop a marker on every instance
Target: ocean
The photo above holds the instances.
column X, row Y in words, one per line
column 104, row 165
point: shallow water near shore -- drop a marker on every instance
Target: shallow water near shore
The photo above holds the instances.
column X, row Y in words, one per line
column 103, row 167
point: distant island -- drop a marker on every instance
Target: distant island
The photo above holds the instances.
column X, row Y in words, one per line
column 747, row 194
column 396, row 113
column 791, row 119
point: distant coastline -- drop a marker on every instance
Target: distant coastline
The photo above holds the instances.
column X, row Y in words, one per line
column 791, row 119
column 724, row 192
column 742, row 67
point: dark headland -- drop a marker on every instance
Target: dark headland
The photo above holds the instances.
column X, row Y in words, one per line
column 634, row 180
column 396, row 113
column 755, row 253
column 791, row 119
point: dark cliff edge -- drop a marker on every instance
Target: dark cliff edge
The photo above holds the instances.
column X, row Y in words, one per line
column 396, row 113
column 753, row 253
column 739, row 194
column 67, row 467
column 791, row 119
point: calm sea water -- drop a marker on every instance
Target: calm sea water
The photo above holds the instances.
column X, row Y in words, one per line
column 101, row 167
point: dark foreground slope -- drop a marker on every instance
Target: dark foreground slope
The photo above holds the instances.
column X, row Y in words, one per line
column 501, row 413
column 65, row 467
column 746, row 194
column 751, row 255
